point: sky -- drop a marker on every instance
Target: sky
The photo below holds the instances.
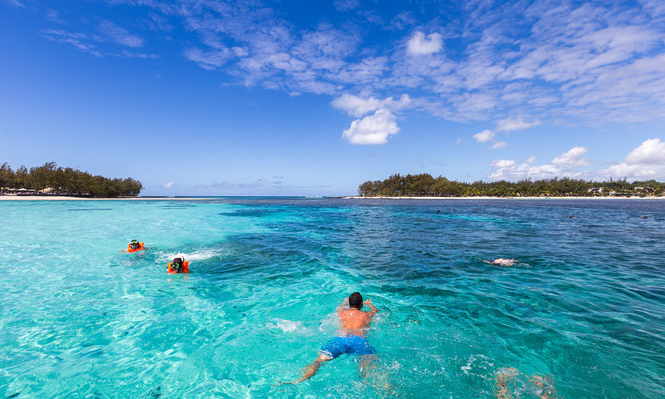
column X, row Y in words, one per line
column 211, row 97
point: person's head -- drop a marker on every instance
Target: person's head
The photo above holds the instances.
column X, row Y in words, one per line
column 177, row 261
column 356, row 300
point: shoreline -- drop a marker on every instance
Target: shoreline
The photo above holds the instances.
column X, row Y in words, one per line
column 66, row 198
column 508, row 198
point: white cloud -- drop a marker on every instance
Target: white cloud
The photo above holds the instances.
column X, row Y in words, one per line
column 54, row 16
column 572, row 158
column 78, row 40
column 356, row 106
column 509, row 125
column 120, row 35
column 650, row 152
column 561, row 166
column 506, row 125
column 359, row 106
column 208, row 59
column 574, row 62
column 346, row 5
column 644, row 162
column 421, row 45
column 484, row 136
column 372, row 129
column 168, row 185
column 15, row 3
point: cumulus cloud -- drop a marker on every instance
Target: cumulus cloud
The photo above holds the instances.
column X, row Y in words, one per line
column 644, row 162
column 572, row 158
column 421, row 45
column 484, row 136
column 506, row 125
column 375, row 128
column 356, row 106
column 359, row 106
column 650, row 152
column 168, row 185
column 372, row 129
column 561, row 166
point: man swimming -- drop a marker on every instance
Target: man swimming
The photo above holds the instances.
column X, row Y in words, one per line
column 351, row 339
column 502, row 262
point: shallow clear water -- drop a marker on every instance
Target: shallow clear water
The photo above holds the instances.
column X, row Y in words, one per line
column 585, row 310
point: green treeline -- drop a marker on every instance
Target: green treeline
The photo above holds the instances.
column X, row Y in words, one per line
column 424, row 185
column 53, row 179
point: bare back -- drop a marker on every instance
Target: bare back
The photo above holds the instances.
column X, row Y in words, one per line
column 354, row 321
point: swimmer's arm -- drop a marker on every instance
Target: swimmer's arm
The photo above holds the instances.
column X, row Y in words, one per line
column 372, row 308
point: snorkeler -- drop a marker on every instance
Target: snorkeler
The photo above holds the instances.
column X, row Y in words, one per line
column 545, row 388
column 502, row 262
column 134, row 246
column 351, row 339
column 178, row 265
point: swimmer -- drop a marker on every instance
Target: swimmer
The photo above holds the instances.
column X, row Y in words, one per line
column 177, row 264
column 572, row 217
column 351, row 339
column 545, row 388
column 502, row 262
column 134, row 244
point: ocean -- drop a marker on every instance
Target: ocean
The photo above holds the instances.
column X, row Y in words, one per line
column 581, row 316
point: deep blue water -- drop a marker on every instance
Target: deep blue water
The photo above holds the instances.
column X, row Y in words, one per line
column 584, row 311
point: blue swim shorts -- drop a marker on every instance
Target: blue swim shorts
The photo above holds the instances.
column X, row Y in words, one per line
column 351, row 344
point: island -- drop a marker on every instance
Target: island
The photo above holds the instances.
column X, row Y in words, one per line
column 424, row 185
column 53, row 180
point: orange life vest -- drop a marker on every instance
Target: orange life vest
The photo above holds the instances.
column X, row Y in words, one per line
column 184, row 269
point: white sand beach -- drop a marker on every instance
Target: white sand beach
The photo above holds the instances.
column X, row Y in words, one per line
column 66, row 198
column 509, row 198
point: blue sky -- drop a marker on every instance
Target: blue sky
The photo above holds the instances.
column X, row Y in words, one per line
column 286, row 97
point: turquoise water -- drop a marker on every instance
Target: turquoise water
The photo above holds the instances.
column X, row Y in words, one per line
column 585, row 310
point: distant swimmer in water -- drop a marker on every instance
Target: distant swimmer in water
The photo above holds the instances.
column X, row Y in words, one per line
column 178, row 265
column 644, row 217
column 351, row 339
column 572, row 217
column 502, row 262
column 134, row 246
column 541, row 385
